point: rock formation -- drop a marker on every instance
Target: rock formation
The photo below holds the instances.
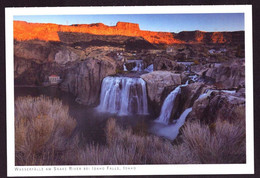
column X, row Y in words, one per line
column 159, row 85
column 83, row 55
column 84, row 79
column 50, row 32
column 80, row 72
column 167, row 64
column 218, row 105
column 228, row 75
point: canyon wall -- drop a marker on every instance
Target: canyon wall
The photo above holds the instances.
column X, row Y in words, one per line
column 50, row 32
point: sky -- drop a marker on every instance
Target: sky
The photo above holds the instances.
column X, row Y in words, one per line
column 153, row 22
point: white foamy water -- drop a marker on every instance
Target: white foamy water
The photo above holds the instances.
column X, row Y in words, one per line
column 139, row 65
column 168, row 105
column 171, row 131
column 125, row 69
column 123, row 96
column 149, row 68
column 209, row 91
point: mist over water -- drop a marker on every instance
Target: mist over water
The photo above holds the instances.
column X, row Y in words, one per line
column 123, row 96
column 168, row 105
column 170, row 131
column 91, row 123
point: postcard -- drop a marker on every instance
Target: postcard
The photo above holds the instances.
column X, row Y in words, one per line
column 133, row 90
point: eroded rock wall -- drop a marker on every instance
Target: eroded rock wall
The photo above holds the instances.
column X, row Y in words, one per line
column 35, row 61
column 49, row 32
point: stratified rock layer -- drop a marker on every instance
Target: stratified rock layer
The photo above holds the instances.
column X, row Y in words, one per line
column 50, row 32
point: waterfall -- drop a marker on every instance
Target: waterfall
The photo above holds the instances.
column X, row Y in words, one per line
column 125, row 69
column 138, row 65
column 123, row 96
column 149, row 68
column 172, row 131
column 209, row 91
column 205, row 94
column 168, row 105
column 194, row 78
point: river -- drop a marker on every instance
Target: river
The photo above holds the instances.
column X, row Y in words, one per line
column 91, row 123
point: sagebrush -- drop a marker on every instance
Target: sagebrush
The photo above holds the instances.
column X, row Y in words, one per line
column 43, row 131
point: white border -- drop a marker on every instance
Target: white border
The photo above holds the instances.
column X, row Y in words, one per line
column 168, row 169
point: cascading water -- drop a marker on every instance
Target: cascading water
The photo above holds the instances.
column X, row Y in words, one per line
column 138, row 65
column 171, row 131
column 168, row 105
column 125, row 69
column 149, row 68
column 123, row 96
column 209, row 91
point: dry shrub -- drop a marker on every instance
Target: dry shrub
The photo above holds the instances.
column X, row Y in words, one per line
column 141, row 128
column 42, row 128
column 125, row 147
column 221, row 142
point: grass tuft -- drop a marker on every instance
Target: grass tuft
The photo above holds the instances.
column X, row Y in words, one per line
column 42, row 128
column 221, row 142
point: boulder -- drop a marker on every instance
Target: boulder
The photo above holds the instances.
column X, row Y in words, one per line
column 167, row 64
column 84, row 79
column 218, row 105
column 159, row 85
column 229, row 75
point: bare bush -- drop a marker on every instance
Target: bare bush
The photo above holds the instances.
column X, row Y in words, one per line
column 125, row 147
column 220, row 142
column 42, row 128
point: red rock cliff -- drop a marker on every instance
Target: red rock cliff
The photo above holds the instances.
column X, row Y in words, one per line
column 49, row 32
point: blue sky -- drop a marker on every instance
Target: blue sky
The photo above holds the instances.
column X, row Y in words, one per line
column 152, row 22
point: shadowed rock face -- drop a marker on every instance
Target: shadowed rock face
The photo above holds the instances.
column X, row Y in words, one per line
column 228, row 75
column 84, row 79
column 167, row 64
column 81, row 74
column 159, row 85
column 83, row 55
column 218, row 105
column 50, row 32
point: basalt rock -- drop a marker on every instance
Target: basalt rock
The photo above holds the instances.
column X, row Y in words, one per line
column 29, row 72
column 159, row 85
column 64, row 56
column 84, row 79
column 167, row 64
column 49, row 32
column 80, row 72
column 228, row 75
column 186, row 98
column 218, row 105
column 35, row 50
column 130, row 65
